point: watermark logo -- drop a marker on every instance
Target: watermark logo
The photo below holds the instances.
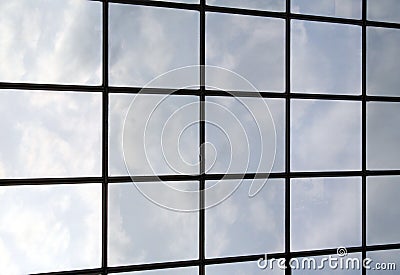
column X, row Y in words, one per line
column 341, row 252
column 341, row 261
column 158, row 132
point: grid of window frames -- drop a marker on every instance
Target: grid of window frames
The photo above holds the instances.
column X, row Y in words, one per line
column 328, row 70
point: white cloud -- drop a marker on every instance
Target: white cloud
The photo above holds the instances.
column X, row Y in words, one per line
column 382, row 210
column 49, row 228
column 326, row 58
column 241, row 225
column 384, row 10
column 50, row 41
column 325, row 213
column 326, row 135
column 59, row 136
column 250, row 46
column 145, row 232
column 146, row 42
column 9, row 266
column 139, row 160
column 50, row 134
column 382, row 65
column 336, row 8
column 274, row 5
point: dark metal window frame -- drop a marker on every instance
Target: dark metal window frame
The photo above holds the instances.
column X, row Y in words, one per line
column 202, row 177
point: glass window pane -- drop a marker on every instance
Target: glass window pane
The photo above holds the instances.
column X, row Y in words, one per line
column 253, row 47
column 118, row 108
column 384, row 262
column 383, row 135
column 334, row 8
column 240, row 135
column 161, row 134
column 50, row 41
column 175, row 271
column 383, row 65
column 326, row 58
column 349, row 265
column 146, row 42
column 50, row 228
column 383, row 210
column 325, row 135
column 181, row 1
column 384, row 10
column 272, row 5
column 239, row 269
column 141, row 231
column 50, row 134
column 243, row 225
column 325, row 213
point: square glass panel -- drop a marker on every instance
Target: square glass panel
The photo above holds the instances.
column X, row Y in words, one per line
column 153, row 134
column 146, row 42
column 243, row 225
column 384, row 10
column 384, row 262
column 271, row 5
column 181, row 1
column 252, row 47
column 325, row 135
column 383, row 210
column 244, row 135
column 383, row 65
column 332, row 8
column 175, row 271
column 140, row 231
column 240, row 269
column 325, row 213
column 50, row 228
column 326, row 58
column 50, row 134
column 383, row 135
column 351, row 264
column 51, row 41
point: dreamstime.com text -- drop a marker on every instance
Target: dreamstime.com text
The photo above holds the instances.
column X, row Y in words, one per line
column 334, row 262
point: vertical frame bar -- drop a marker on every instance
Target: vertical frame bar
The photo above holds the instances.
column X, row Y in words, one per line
column 202, row 98
column 364, row 133
column 288, row 270
column 104, row 254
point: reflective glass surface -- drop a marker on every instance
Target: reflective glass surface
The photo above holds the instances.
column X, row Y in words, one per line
column 243, row 225
column 252, row 47
column 141, row 231
column 382, row 61
column 146, row 42
column 50, row 228
column 325, row 135
column 50, row 134
column 51, row 41
column 326, row 58
column 325, row 213
column 382, row 209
